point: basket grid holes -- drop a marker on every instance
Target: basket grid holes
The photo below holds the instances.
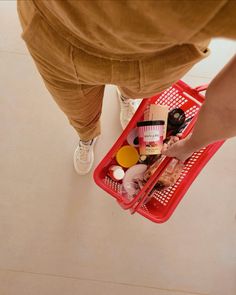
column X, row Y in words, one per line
column 115, row 186
column 172, row 99
column 165, row 196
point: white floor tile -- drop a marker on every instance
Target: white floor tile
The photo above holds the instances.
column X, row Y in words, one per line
column 222, row 50
column 10, row 39
column 195, row 81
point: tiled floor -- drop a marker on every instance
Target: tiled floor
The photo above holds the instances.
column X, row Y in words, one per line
column 60, row 234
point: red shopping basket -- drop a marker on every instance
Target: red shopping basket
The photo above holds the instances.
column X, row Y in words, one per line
column 162, row 203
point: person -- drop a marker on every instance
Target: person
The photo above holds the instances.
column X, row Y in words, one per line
column 142, row 47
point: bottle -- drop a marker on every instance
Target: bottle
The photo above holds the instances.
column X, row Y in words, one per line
column 175, row 119
column 116, row 172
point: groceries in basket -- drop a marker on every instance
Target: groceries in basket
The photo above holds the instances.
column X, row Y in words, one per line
column 127, row 156
column 156, row 112
column 170, row 175
column 132, row 138
column 150, row 134
column 116, row 172
column 133, row 179
column 140, row 156
column 176, row 118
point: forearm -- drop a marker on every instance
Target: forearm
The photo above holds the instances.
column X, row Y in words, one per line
column 217, row 117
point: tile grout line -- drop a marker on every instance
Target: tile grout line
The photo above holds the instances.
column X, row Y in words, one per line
column 13, row 52
column 102, row 281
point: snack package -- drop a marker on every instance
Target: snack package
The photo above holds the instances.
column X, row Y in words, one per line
column 132, row 182
column 170, row 175
column 151, row 170
column 168, row 178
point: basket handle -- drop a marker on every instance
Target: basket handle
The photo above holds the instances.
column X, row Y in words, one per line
column 143, row 197
column 201, row 88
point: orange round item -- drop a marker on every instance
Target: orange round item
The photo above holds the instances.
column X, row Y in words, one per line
column 127, row 156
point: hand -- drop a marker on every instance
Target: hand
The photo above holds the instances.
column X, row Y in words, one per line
column 178, row 148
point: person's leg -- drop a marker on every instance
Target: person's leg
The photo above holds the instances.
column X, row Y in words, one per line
column 128, row 107
column 53, row 57
column 153, row 75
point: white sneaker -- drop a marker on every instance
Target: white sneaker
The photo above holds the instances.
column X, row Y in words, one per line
column 84, row 156
column 128, row 107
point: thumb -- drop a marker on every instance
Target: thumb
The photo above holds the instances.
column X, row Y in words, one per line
column 170, row 150
column 178, row 150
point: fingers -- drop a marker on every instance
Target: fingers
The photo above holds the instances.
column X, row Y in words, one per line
column 176, row 148
column 172, row 140
column 168, row 149
column 175, row 139
column 179, row 135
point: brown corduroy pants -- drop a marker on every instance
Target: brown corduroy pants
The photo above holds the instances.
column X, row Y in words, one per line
column 76, row 79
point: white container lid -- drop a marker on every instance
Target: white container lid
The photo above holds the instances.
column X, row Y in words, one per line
column 118, row 173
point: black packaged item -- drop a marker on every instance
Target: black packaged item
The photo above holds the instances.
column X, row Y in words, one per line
column 175, row 119
column 182, row 127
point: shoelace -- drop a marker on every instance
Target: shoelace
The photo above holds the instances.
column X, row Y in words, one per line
column 84, row 150
column 130, row 106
